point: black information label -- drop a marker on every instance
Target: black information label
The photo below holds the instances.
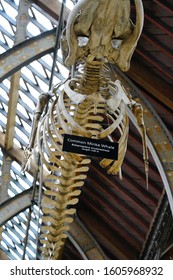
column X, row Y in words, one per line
column 91, row 147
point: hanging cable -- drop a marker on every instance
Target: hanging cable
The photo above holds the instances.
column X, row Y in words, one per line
column 29, row 217
column 58, row 33
column 39, row 209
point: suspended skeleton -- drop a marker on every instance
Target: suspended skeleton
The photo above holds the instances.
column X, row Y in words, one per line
column 90, row 105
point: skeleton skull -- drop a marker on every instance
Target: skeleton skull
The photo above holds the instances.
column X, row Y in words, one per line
column 102, row 29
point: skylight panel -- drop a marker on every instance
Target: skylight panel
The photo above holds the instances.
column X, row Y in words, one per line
column 15, row 164
column 33, row 29
column 5, row 107
column 18, row 120
column 34, row 227
column 64, row 70
column 19, row 250
column 11, row 11
column 10, row 193
column 34, row 80
column 26, row 126
column 19, row 231
column 29, row 177
column 48, row 59
column 5, row 24
column 30, row 251
column 22, row 110
column 6, row 82
column 2, row 37
column 3, row 119
column 17, row 143
column 16, row 257
column 16, row 2
column 39, row 67
column 15, row 187
column 13, row 175
column 23, row 183
column 4, row 95
column 56, row 80
column 2, row 49
column 27, row 100
column 28, row 73
column 42, row 19
column 22, row 134
column 42, row 84
column 4, row 245
column 33, row 94
column 13, row 235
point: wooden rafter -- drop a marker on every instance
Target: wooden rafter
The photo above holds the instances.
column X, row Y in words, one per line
column 153, row 84
column 52, row 7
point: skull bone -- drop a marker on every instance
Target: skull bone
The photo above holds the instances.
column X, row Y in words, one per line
column 102, row 30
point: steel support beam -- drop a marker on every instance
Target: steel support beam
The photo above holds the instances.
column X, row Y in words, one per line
column 5, row 177
column 20, row 36
column 22, row 54
column 12, row 108
column 14, row 206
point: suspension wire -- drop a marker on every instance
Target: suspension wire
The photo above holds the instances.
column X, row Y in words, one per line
column 29, row 215
column 39, row 171
column 58, row 33
column 27, row 232
column 39, row 208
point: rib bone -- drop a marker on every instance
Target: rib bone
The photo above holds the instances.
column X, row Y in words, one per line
column 90, row 105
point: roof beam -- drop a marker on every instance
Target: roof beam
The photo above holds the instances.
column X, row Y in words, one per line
column 167, row 7
column 151, row 82
column 5, row 177
column 154, row 63
column 22, row 21
column 12, row 107
column 52, row 7
column 156, row 22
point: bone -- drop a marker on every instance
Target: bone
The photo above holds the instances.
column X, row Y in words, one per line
column 103, row 22
column 89, row 105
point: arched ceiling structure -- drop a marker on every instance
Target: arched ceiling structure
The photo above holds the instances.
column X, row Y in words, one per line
column 116, row 219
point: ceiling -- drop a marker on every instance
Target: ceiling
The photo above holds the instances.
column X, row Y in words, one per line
column 125, row 219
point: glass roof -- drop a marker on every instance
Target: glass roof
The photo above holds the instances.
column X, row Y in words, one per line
column 34, row 79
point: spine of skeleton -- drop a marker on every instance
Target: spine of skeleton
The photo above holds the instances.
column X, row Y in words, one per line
column 67, row 171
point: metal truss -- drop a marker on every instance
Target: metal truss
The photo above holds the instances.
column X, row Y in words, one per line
column 34, row 55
